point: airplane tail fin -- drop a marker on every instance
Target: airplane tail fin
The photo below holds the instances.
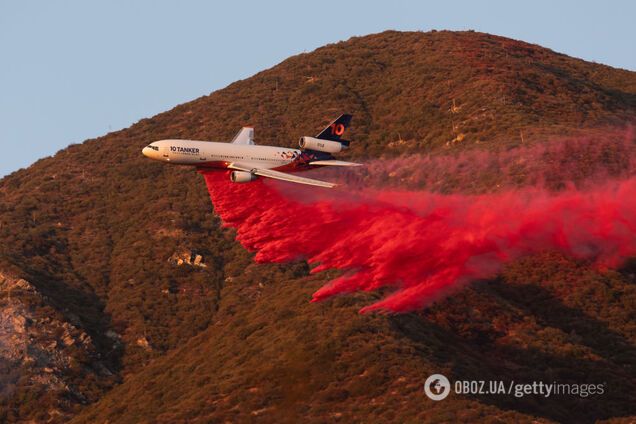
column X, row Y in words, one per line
column 336, row 129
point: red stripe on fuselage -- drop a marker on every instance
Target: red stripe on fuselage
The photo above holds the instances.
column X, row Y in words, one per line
column 297, row 165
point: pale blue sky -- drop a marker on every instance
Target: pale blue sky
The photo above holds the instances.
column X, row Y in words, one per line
column 72, row 70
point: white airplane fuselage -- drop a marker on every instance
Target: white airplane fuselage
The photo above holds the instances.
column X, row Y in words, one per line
column 211, row 154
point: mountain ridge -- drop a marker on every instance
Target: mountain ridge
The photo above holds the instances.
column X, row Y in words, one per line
column 93, row 229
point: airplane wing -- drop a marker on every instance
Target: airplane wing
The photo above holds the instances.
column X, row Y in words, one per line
column 334, row 163
column 244, row 136
column 277, row 175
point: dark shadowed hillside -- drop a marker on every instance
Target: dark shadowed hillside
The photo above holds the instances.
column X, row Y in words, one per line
column 137, row 306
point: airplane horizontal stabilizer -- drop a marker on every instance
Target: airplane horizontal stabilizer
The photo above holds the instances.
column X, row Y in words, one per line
column 334, row 163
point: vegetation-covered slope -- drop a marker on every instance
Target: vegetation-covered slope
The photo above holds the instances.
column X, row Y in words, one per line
column 94, row 229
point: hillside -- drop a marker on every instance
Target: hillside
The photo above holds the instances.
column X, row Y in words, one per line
column 96, row 232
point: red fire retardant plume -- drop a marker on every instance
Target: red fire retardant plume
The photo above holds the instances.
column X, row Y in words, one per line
column 419, row 243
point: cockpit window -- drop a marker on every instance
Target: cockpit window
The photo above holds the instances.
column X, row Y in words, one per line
column 155, row 148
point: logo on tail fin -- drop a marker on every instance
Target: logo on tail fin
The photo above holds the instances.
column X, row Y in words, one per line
column 336, row 129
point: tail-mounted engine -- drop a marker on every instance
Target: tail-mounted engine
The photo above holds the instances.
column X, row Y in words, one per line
column 320, row 145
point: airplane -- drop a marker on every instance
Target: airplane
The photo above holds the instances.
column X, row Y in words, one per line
column 249, row 161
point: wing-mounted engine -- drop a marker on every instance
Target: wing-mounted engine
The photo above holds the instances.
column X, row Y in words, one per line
column 320, row 145
column 242, row 177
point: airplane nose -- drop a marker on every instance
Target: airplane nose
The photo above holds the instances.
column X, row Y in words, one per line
column 146, row 152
